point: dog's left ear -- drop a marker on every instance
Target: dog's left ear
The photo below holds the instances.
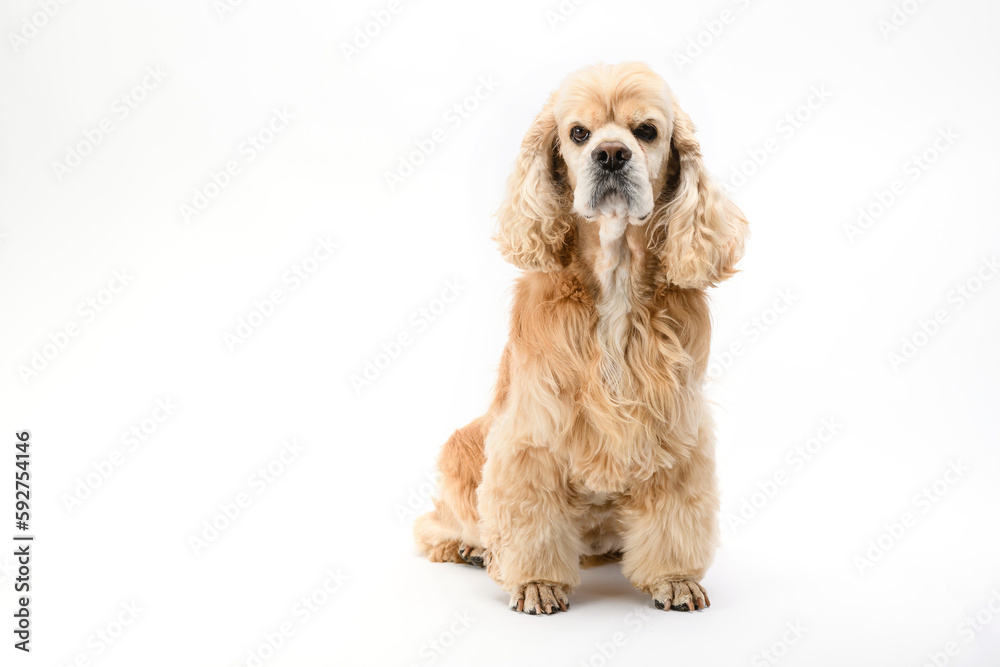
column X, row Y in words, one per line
column 705, row 231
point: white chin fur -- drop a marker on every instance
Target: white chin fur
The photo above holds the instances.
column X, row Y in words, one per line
column 615, row 206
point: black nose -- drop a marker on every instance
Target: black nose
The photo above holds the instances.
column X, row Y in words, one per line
column 611, row 155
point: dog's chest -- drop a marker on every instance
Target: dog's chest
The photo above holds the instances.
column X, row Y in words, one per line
column 619, row 271
column 627, row 403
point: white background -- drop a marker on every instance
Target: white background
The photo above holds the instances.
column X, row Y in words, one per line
column 343, row 503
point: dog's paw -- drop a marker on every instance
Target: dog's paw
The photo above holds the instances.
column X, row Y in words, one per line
column 444, row 552
column 684, row 595
column 538, row 598
column 475, row 556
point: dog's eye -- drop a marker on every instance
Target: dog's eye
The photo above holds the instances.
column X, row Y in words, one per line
column 645, row 132
column 579, row 134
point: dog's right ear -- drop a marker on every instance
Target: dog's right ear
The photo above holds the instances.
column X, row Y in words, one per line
column 532, row 227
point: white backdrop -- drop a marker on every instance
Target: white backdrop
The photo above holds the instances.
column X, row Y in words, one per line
column 215, row 215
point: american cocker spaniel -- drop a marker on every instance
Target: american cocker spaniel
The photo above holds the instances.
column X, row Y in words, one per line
column 598, row 443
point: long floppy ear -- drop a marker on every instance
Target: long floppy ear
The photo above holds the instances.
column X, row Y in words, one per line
column 532, row 227
column 705, row 231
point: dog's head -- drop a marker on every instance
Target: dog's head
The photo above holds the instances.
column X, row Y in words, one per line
column 612, row 141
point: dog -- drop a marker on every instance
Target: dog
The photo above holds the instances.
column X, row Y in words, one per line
column 598, row 444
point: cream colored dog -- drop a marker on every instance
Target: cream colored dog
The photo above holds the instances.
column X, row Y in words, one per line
column 598, row 443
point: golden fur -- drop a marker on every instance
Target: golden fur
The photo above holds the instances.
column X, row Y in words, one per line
column 598, row 443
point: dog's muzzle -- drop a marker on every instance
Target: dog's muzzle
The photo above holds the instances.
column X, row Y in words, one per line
column 614, row 184
column 612, row 174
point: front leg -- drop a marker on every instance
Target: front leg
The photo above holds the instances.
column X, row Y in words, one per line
column 529, row 525
column 670, row 530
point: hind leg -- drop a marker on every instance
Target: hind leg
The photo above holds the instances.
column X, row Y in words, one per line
column 601, row 542
column 450, row 532
column 437, row 535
